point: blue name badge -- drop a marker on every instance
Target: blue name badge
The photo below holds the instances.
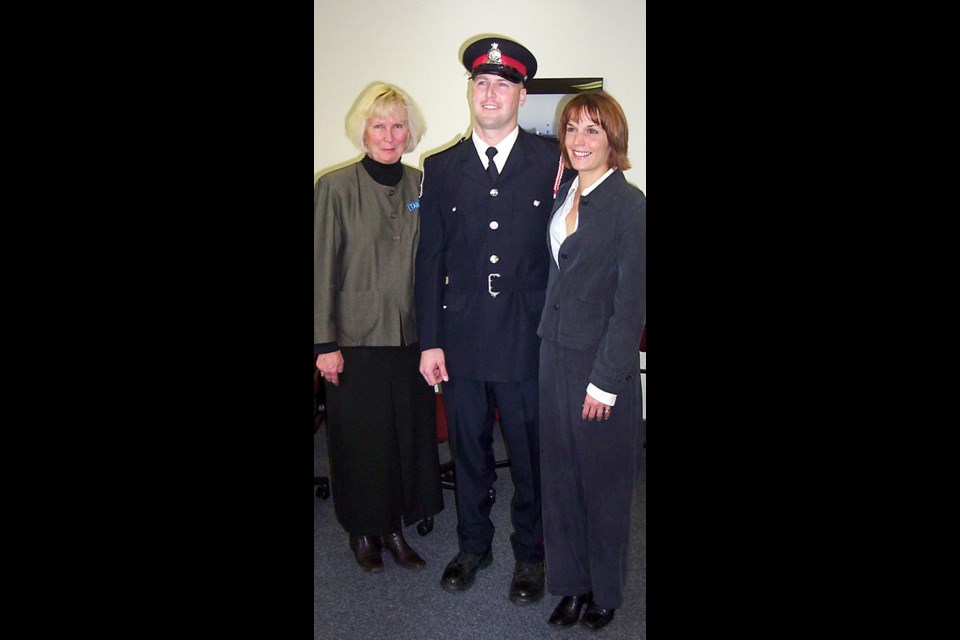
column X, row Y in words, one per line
column 413, row 206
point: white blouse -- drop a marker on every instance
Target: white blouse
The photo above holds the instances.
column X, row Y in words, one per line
column 558, row 226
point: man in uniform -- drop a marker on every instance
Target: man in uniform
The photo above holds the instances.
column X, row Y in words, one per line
column 481, row 276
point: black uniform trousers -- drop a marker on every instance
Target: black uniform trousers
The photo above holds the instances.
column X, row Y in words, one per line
column 382, row 441
column 470, row 406
column 589, row 471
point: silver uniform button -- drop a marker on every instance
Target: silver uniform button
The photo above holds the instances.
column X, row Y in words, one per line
column 494, row 224
column 494, row 192
column 494, row 259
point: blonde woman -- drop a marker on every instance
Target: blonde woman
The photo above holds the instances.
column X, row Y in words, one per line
column 381, row 418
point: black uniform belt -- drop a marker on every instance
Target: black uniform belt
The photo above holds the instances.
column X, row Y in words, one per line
column 495, row 283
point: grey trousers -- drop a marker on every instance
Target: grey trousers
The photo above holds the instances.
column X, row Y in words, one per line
column 588, row 471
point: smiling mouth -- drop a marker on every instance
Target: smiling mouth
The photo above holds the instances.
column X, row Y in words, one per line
column 581, row 154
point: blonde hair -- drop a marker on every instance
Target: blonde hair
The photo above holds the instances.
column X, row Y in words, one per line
column 599, row 107
column 378, row 100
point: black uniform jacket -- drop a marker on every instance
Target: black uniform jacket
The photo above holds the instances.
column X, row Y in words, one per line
column 597, row 298
column 477, row 240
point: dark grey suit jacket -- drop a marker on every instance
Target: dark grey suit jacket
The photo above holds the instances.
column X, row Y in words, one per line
column 597, row 298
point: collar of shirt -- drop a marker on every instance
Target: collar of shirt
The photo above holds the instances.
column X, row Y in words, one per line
column 596, row 184
column 504, row 147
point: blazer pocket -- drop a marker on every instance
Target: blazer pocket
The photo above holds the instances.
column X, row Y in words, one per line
column 358, row 313
column 582, row 323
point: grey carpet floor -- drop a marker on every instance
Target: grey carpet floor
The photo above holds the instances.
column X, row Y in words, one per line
column 400, row 604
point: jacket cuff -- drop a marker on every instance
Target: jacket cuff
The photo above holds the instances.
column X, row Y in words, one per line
column 600, row 395
column 325, row 347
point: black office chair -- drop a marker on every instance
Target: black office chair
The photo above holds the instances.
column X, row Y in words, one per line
column 643, row 371
column 448, row 476
column 322, row 483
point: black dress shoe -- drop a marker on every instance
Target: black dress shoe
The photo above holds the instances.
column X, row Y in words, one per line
column 366, row 549
column 568, row 610
column 527, row 584
column 596, row 617
column 460, row 572
column 401, row 551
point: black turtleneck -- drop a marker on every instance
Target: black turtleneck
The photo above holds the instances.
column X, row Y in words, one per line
column 386, row 174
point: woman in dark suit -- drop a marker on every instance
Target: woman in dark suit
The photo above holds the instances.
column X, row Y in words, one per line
column 381, row 418
column 590, row 400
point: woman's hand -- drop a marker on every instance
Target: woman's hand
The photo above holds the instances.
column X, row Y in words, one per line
column 331, row 366
column 593, row 409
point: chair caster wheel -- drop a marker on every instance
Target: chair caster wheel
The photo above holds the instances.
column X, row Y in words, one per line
column 323, row 489
column 426, row 526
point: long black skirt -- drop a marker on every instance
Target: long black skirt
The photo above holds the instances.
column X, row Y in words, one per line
column 382, row 441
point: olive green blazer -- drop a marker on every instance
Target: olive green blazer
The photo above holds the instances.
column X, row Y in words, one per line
column 365, row 239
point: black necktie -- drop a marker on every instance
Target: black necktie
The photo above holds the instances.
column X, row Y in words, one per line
column 492, row 166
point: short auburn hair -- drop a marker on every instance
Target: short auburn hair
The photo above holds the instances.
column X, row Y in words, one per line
column 599, row 107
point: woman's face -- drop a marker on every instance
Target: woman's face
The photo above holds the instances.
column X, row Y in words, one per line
column 587, row 146
column 386, row 137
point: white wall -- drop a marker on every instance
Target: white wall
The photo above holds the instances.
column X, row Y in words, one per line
column 415, row 44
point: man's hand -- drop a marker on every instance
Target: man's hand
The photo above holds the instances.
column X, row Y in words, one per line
column 433, row 366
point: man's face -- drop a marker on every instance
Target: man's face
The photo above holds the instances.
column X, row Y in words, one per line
column 495, row 102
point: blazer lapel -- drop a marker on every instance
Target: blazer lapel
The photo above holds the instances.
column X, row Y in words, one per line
column 561, row 194
column 602, row 197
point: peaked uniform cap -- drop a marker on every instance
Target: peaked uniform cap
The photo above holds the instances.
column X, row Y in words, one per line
column 502, row 57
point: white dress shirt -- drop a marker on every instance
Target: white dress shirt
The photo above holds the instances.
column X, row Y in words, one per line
column 503, row 149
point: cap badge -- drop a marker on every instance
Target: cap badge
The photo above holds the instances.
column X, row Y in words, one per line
column 493, row 56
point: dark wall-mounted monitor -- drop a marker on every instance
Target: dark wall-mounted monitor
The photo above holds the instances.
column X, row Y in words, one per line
column 545, row 100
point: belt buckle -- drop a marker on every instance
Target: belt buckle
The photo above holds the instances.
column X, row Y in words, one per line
column 490, row 284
